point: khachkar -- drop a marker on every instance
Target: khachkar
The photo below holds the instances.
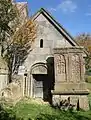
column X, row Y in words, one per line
column 69, row 77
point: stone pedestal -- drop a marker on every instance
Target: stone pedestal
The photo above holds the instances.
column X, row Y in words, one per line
column 69, row 77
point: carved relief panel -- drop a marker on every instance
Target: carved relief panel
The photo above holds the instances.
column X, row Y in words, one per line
column 61, row 67
column 76, row 71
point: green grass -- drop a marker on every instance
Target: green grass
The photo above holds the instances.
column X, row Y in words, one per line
column 30, row 109
column 27, row 109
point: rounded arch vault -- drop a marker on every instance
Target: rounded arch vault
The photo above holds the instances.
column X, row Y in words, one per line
column 39, row 68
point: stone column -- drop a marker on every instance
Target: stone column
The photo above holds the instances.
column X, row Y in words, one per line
column 28, row 84
column 82, row 68
column 23, row 85
column 31, row 86
column 67, row 66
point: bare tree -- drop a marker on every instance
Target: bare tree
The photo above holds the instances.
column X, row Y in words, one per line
column 20, row 46
column 15, row 38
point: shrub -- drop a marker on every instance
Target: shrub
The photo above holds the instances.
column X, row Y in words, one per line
column 7, row 114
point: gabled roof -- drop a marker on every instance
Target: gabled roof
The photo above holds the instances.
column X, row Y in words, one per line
column 57, row 25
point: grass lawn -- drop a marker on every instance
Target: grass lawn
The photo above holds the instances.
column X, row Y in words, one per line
column 30, row 109
column 34, row 111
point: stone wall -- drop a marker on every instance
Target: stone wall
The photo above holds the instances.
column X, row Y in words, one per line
column 51, row 39
column 69, row 75
column 80, row 101
column 14, row 90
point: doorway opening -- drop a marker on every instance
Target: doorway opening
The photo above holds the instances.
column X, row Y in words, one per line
column 42, row 87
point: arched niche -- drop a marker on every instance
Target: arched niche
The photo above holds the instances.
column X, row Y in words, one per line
column 39, row 68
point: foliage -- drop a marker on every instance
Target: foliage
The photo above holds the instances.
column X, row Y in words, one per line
column 64, row 116
column 8, row 13
column 8, row 114
column 27, row 110
column 15, row 37
column 20, row 46
column 85, row 40
column 35, row 111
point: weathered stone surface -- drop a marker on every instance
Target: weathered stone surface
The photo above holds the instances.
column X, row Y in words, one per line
column 13, row 90
column 83, row 102
column 68, row 101
column 73, row 85
column 69, row 86
column 39, row 68
column 56, row 100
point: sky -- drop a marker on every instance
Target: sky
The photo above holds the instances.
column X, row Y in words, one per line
column 73, row 15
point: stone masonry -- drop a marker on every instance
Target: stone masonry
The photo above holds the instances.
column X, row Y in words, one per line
column 69, row 77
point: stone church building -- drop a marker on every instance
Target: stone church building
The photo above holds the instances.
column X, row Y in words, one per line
column 54, row 69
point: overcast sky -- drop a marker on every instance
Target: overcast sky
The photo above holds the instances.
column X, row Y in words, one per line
column 74, row 15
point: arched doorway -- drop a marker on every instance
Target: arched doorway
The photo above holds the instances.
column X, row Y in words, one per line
column 40, row 84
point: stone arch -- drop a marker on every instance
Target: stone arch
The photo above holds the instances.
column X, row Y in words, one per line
column 39, row 81
column 39, row 68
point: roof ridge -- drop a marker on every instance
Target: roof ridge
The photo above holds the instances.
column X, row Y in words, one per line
column 59, row 24
column 66, row 33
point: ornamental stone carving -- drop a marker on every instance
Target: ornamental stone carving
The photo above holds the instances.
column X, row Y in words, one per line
column 76, row 68
column 61, row 64
column 60, row 67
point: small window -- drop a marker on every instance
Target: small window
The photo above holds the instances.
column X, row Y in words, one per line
column 41, row 43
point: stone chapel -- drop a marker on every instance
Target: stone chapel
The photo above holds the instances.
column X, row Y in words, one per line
column 54, row 69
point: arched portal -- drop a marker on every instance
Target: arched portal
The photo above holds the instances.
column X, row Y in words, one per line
column 40, row 83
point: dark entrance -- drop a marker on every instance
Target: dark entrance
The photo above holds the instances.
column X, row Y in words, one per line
column 43, row 79
column 42, row 87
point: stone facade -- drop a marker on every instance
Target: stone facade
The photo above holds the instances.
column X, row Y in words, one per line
column 55, row 74
column 54, row 69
